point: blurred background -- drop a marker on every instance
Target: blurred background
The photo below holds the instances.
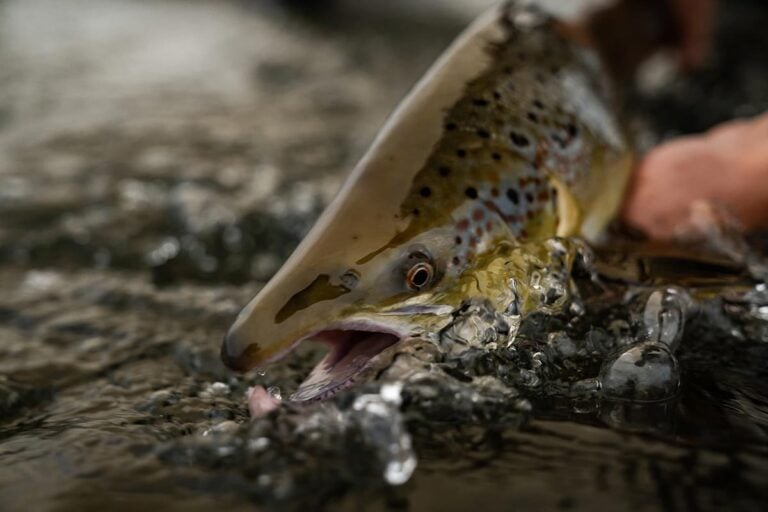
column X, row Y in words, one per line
column 199, row 140
column 160, row 159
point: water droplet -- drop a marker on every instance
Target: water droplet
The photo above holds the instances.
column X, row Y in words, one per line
column 275, row 392
column 399, row 471
column 390, row 392
column 383, row 427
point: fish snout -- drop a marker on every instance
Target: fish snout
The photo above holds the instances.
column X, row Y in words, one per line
column 236, row 355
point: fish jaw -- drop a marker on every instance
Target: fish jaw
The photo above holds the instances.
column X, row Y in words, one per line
column 354, row 345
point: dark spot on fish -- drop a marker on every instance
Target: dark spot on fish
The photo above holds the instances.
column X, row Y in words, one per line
column 532, row 117
column 458, row 240
column 451, row 127
column 318, row 290
column 554, row 192
column 415, row 212
column 495, row 192
column 496, row 156
column 513, row 195
column 518, row 139
column 529, row 197
column 456, row 260
column 508, row 70
column 523, row 233
column 496, row 95
column 471, row 192
column 479, row 102
column 559, row 140
column 538, row 104
column 425, row 192
column 572, row 129
column 461, row 153
column 483, row 133
column 444, row 171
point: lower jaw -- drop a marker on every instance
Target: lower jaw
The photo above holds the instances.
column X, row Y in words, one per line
column 352, row 353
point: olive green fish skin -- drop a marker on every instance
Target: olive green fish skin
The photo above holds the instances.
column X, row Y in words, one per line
column 520, row 129
column 509, row 139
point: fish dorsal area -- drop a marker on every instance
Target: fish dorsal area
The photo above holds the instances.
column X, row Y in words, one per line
column 516, row 149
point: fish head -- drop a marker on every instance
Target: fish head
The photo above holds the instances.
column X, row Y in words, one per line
column 361, row 304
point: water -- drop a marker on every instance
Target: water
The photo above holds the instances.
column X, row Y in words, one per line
column 146, row 195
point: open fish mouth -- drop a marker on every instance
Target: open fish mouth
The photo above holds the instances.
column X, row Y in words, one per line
column 352, row 349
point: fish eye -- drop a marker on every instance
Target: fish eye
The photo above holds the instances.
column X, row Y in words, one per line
column 420, row 275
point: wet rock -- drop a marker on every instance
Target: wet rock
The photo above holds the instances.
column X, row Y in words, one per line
column 15, row 396
column 198, row 153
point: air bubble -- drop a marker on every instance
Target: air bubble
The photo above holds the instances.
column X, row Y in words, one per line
column 646, row 372
column 665, row 314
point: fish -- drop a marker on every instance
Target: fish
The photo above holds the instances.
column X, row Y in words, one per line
column 510, row 139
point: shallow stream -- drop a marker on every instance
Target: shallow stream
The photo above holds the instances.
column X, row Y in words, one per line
column 159, row 160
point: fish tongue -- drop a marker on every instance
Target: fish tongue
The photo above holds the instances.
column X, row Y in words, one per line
column 341, row 364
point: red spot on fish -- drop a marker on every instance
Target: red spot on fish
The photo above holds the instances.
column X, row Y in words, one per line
column 479, row 231
column 530, row 214
column 462, row 225
column 544, row 195
column 478, row 215
column 472, row 242
column 489, row 226
column 495, row 192
column 523, row 233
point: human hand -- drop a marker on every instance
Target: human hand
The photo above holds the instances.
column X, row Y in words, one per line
column 727, row 166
